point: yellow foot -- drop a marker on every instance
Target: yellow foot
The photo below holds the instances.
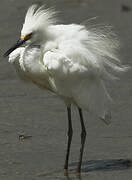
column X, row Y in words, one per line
column 65, row 172
column 78, row 174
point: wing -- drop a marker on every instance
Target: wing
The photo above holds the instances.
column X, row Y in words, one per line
column 62, row 67
column 74, row 80
column 94, row 47
column 82, row 61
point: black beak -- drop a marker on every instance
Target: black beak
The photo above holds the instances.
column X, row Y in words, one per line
column 19, row 43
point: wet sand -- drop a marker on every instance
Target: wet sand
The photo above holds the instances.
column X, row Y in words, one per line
column 33, row 123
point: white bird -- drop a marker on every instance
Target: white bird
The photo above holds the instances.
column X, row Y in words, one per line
column 73, row 61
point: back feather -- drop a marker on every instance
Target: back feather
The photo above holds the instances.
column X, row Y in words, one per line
column 103, row 43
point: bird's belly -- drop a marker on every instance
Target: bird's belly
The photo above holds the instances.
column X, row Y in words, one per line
column 41, row 81
column 61, row 88
column 42, row 84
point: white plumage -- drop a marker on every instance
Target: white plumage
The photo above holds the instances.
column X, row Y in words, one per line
column 72, row 61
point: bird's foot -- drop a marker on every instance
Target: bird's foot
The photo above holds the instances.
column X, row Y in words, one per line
column 66, row 172
column 78, row 172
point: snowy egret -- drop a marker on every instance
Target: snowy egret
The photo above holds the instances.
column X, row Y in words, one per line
column 72, row 61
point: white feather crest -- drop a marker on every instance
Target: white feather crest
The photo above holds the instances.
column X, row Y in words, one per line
column 38, row 18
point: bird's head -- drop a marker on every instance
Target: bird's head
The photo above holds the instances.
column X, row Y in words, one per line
column 35, row 27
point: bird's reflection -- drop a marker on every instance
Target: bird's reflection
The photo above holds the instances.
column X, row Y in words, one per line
column 69, row 175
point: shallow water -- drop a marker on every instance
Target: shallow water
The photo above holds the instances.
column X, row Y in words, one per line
column 40, row 117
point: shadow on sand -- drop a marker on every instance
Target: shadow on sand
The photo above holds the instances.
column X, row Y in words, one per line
column 89, row 166
column 104, row 165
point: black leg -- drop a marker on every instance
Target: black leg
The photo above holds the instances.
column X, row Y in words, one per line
column 83, row 138
column 70, row 132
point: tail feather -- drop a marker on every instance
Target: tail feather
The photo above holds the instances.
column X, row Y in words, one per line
column 93, row 97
